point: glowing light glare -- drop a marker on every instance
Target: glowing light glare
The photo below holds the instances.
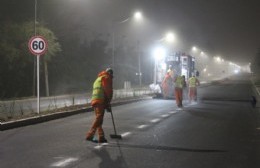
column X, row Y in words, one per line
column 201, row 52
column 164, row 66
column 194, row 48
column 184, row 71
column 138, row 15
column 205, row 69
column 218, row 59
column 159, row 53
column 236, row 71
column 170, row 37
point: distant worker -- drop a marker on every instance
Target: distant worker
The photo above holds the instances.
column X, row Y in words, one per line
column 166, row 84
column 193, row 83
column 170, row 71
column 178, row 89
column 101, row 98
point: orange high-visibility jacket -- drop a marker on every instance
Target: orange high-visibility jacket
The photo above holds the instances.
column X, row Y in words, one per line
column 102, row 89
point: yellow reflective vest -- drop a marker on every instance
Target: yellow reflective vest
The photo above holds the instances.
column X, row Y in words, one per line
column 192, row 82
column 179, row 82
column 98, row 91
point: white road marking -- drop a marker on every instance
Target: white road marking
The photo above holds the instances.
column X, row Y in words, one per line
column 142, row 126
column 172, row 112
column 64, row 162
column 155, row 120
column 98, row 146
column 258, row 128
column 165, row 115
column 126, row 134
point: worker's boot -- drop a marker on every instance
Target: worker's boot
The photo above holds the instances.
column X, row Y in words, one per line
column 102, row 139
column 89, row 138
column 90, row 135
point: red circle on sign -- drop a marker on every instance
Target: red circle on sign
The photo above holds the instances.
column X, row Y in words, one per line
column 38, row 45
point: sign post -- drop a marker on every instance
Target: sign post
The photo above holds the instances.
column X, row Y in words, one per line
column 38, row 46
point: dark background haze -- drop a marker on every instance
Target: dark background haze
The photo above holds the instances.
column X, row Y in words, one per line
column 230, row 28
column 84, row 28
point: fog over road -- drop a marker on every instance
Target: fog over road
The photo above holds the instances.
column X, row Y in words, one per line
column 221, row 130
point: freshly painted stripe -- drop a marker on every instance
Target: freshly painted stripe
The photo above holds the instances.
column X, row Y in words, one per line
column 172, row 112
column 125, row 134
column 165, row 115
column 64, row 162
column 98, row 146
column 142, row 126
column 155, row 120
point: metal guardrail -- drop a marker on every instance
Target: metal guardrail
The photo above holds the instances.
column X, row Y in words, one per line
column 14, row 108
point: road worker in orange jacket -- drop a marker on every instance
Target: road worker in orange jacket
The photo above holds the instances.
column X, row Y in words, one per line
column 101, row 98
column 166, row 84
column 179, row 83
column 193, row 83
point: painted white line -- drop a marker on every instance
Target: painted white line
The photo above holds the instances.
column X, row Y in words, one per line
column 258, row 128
column 155, row 120
column 142, row 126
column 126, row 134
column 172, row 112
column 165, row 115
column 98, row 146
column 64, row 162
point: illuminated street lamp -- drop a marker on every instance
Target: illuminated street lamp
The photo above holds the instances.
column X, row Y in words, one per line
column 194, row 49
column 136, row 16
column 218, row 59
column 170, row 37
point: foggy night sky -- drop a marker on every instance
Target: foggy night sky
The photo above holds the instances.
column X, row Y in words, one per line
column 228, row 28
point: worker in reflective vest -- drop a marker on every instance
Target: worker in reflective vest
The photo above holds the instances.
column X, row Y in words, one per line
column 101, row 98
column 178, row 86
column 193, row 83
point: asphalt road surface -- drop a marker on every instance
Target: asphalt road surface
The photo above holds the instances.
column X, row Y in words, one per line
column 221, row 130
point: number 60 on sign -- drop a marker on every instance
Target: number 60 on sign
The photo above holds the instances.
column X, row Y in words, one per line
column 37, row 45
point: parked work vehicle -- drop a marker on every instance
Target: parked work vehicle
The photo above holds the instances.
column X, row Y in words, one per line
column 174, row 64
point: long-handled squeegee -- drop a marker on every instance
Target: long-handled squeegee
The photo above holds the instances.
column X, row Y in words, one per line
column 114, row 136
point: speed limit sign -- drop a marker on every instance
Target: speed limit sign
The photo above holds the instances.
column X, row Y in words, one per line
column 38, row 45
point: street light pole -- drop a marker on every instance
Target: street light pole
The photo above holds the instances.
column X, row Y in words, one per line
column 154, row 73
column 139, row 64
column 138, row 16
column 113, row 49
column 35, row 33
